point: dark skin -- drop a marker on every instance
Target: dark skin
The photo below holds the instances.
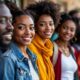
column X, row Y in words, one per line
column 6, row 28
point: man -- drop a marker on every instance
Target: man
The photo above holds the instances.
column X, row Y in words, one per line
column 6, row 28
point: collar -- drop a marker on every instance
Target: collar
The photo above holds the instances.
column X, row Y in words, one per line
column 19, row 55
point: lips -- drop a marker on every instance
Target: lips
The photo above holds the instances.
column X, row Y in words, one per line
column 67, row 36
column 27, row 38
column 7, row 35
column 48, row 33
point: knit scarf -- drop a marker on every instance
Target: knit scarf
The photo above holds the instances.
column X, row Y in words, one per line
column 43, row 53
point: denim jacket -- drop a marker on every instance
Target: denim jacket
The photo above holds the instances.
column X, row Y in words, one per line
column 14, row 66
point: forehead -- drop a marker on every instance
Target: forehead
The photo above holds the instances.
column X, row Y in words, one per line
column 69, row 23
column 24, row 19
column 45, row 18
column 4, row 10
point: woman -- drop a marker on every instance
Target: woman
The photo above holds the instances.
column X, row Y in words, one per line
column 20, row 63
column 76, row 16
column 65, row 66
column 45, row 22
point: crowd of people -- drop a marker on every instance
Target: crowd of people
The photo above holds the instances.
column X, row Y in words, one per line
column 27, row 48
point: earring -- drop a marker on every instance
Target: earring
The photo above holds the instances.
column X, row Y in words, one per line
column 74, row 39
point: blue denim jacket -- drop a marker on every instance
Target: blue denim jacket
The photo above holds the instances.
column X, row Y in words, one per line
column 14, row 66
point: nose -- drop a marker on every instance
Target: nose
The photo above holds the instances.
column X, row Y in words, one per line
column 27, row 30
column 9, row 26
column 68, row 31
column 48, row 26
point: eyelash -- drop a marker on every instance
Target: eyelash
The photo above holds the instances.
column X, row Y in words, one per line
column 32, row 28
column 23, row 27
column 3, row 21
column 43, row 24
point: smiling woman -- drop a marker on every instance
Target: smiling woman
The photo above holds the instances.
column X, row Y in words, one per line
column 46, row 19
column 66, row 65
column 20, row 61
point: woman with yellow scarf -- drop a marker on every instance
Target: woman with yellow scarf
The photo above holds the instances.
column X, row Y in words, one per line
column 47, row 17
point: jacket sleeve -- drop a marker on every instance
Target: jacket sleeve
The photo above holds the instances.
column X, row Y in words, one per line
column 7, row 70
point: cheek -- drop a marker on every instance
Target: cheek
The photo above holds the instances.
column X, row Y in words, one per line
column 33, row 33
column 40, row 30
column 73, row 34
column 53, row 29
column 2, row 27
column 17, row 34
column 61, row 33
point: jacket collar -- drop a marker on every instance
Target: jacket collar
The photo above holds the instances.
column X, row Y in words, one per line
column 19, row 55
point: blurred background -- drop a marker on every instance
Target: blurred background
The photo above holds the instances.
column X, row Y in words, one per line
column 66, row 5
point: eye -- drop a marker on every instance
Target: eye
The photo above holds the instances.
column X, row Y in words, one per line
column 3, row 20
column 64, row 27
column 21, row 27
column 10, row 20
column 51, row 24
column 32, row 27
column 42, row 24
column 73, row 30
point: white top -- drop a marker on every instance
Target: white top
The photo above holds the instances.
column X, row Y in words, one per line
column 69, row 67
column 32, row 71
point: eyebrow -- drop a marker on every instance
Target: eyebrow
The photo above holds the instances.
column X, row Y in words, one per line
column 46, row 21
column 24, row 24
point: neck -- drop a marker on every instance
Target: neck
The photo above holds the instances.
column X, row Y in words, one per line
column 63, row 47
column 62, row 43
column 23, row 50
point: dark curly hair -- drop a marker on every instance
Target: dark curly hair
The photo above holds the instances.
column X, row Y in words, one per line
column 72, row 12
column 46, row 7
column 64, row 17
column 12, row 6
column 16, row 11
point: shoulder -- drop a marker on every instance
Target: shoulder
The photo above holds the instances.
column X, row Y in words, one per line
column 74, row 52
column 9, row 56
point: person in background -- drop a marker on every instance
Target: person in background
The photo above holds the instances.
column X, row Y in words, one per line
column 6, row 28
column 46, row 19
column 76, row 43
column 20, row 63
column 76, row 16
column 65, row 67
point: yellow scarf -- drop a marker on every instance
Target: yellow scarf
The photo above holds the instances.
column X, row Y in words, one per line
column 43, row 53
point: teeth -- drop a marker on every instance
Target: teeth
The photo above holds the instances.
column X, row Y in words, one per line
column 48, row 33
column 8, row 35
column 66, row 36
column 27, row 38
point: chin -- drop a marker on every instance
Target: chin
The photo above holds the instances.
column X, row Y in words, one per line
column 48, row 37
column 27, row 43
